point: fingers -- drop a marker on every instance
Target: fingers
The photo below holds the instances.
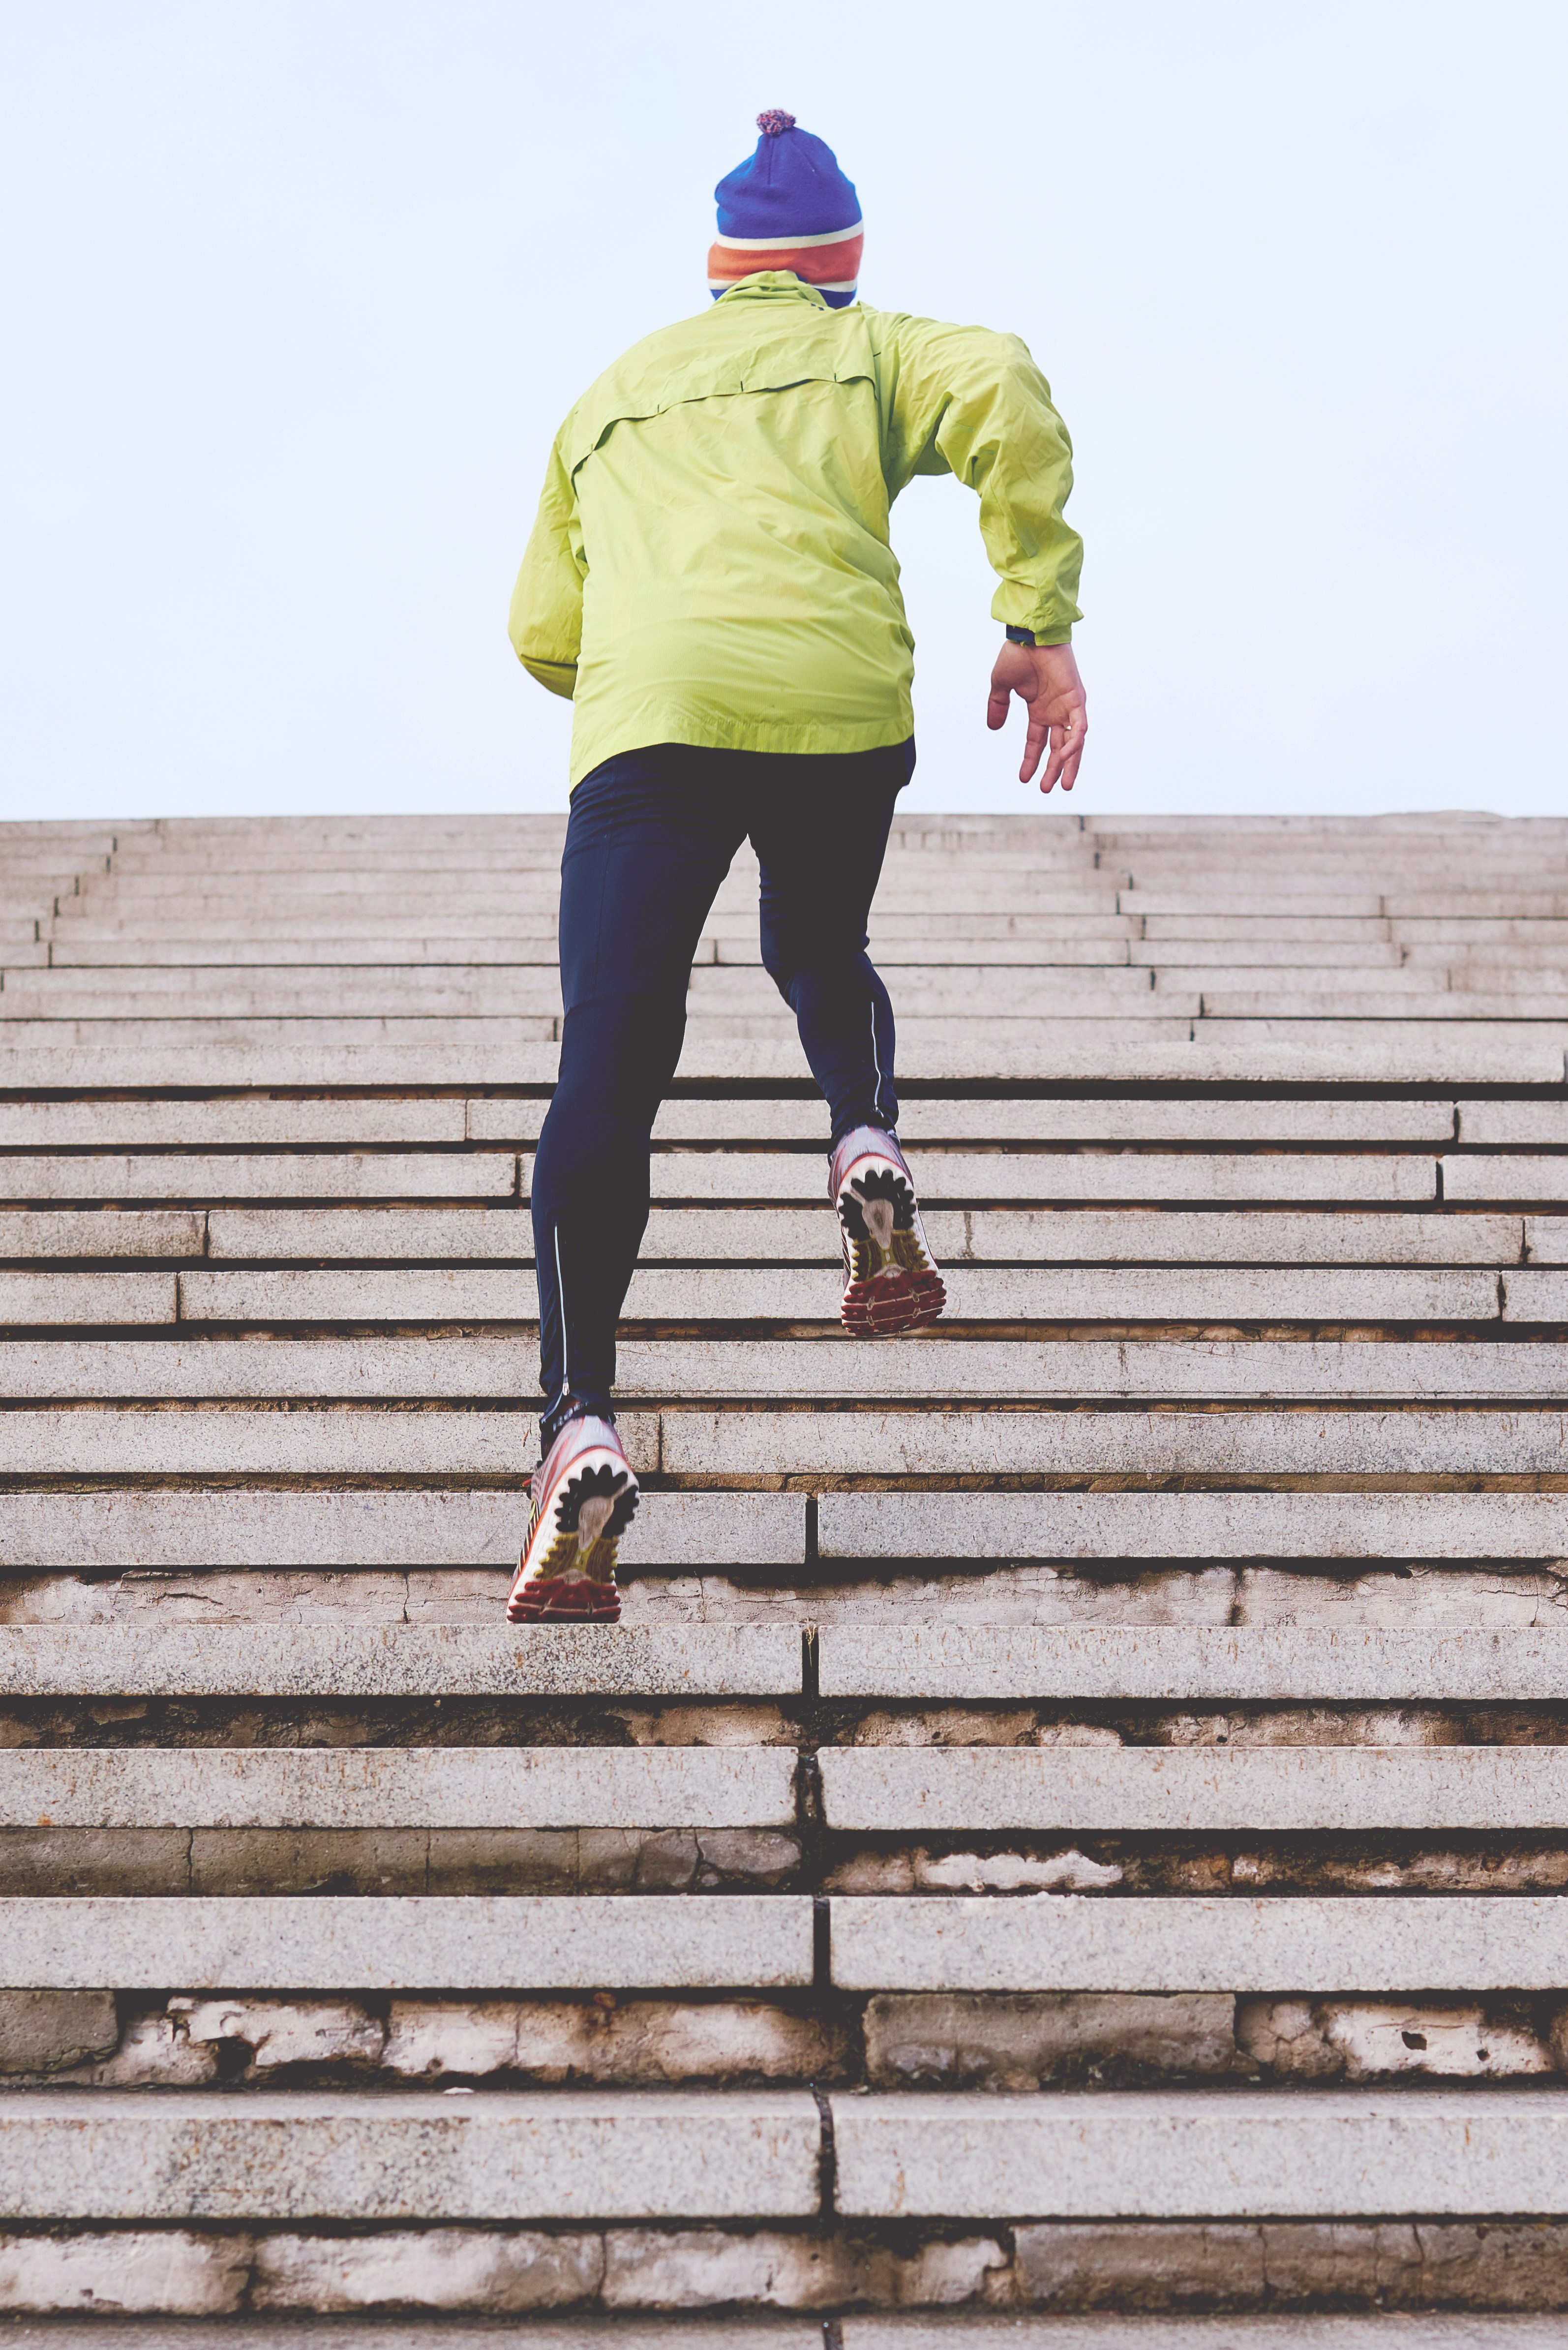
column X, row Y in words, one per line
column 1067, row 740
column 997, row 707
column 1034, row 741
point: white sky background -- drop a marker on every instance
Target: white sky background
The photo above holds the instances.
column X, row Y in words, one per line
column 296, row 295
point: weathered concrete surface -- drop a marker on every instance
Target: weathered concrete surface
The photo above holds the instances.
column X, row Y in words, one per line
column 1193, row 1525
column 371, row 1527
column 557, row 1943
column 48, row 2030
column 702, row 1293
column 1096, row 1175
column 1228, row 1944
column 336, row 1441
column 371, row 1174
column 1187, row 2153
column 346, row 1659
column 173, row 2273
column 1001, row 1369
column 91, row 1232
column 1274, row 2266
column 1183, row 1789
column 418, row 1787
column 1142, row 1444
column 1033, row 2040
column 505, row 2155
column 973, row 1235
column 1247, row 1662
column 657, row 2042
column 1363, row 2040
column 248, row 1120
column 1484, row 1177
column 58, row 1298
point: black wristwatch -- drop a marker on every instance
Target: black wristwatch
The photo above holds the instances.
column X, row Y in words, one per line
column 1020, row 636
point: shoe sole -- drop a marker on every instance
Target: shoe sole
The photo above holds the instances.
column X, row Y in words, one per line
column 891, row 1285
column 591, row 1510
column 893, row 1303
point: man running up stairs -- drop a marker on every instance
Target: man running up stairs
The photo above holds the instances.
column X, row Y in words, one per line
column 710, row 580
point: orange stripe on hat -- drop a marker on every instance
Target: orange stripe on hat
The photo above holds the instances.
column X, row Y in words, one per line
column 819, row 265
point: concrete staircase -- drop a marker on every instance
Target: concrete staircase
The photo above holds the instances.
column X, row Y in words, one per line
column 1076, row 1818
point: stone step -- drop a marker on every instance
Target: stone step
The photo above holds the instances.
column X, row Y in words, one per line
column 1241, row 2280
column 1481, row 1176
column 1117, row 1294
column 94, row 1233
column 76, row 945
column 183, row 996
column 307, row 1174
column 1299, row 1944
column 254, row 1120
column 1257, row 1663
column 336, row 1656
column 1232, row 1445
column 342, row 1658
column 226, row 1525
column 765, row 1444
column 1513, row 1122
column 1166, row 1525
column 508, row 2154
column 663, row 1370
column 1435, row 1055
column 336, row 1440
column 1128, row 1174
column 1326, row 945
column 1196, row 2154
column 138, row 1031
column 390, row 1787
column 461, row 1943
column 1429, row 1943
column 158, row 2270
column 260, row 1121
column 1525, row 1004
column 1181, row 1595
column 976, row 1235
column 578, row 2154
column 1172, row 1789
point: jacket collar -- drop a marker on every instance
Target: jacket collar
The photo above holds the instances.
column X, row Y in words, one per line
column 772, row 286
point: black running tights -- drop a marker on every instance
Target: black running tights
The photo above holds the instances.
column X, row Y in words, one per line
column 649, row 838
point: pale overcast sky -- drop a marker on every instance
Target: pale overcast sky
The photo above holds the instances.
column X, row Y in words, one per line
column 296, row 293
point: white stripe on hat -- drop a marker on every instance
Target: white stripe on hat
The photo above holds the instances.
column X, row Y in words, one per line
column 779, row 243
column 819, row 285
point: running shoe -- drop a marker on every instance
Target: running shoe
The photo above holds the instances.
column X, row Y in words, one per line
column 584, row 1496
column 890, row 1281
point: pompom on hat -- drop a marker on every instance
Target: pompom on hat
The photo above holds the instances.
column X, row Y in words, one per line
column 788, row 206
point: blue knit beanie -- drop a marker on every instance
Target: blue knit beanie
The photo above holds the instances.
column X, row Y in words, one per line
column 788, row 206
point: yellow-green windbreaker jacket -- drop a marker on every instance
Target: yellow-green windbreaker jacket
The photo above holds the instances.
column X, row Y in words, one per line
column 710, row 562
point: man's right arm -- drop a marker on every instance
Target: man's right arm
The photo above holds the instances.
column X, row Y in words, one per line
column 961, row 399
column 547, row 622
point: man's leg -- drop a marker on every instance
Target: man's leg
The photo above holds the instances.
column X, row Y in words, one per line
column 650, row 836
column 821, row 828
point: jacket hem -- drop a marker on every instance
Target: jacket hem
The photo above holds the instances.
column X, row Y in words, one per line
column 812, row 737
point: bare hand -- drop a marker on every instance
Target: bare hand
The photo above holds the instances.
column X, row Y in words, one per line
column 1046, row 678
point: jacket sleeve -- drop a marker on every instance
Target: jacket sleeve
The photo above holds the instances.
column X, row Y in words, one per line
column 960, row 399
column 547, row 622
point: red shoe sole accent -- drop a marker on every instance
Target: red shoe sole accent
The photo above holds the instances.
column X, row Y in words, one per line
column 559, row 1602
column 892, row 1303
